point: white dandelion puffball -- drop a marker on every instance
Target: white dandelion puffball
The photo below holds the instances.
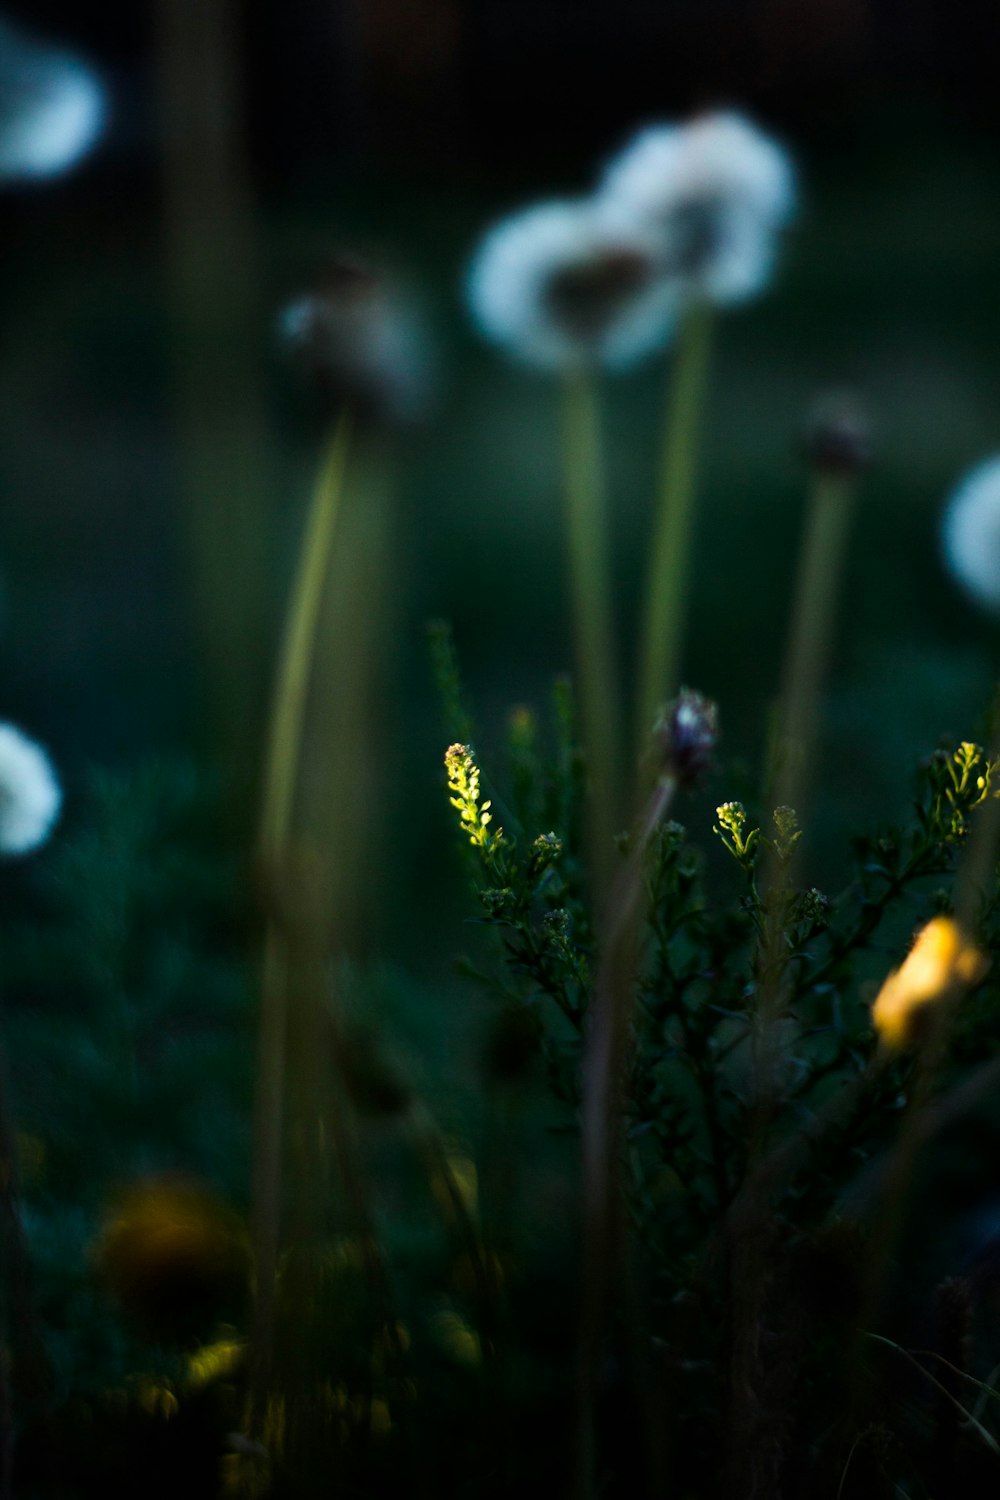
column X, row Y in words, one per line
column 52, row 108
column 717, row 191
column 570, row 283
column 30, row 796
column 970, row 534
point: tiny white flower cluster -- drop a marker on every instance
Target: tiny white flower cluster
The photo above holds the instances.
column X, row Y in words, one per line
column 970, row 534
column 30, row 797
column 684, row 213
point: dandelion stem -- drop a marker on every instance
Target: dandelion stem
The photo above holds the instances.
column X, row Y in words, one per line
column 281, row 777
column 601, row 1112
column 595, row 652
column 819, row 568
column 299, row 646
column 665, row 587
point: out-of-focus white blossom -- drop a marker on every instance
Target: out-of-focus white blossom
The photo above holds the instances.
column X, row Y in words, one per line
column 30, row 797
column 569, row 283
column 717, row 191
column 970, row 533
column 52, row 107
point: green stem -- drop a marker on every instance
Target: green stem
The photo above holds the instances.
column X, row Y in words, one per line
column 819, row 569
column 281, row 778
column 298, row 648
column 665, row 588
column 602, row 1116
column 595, row 652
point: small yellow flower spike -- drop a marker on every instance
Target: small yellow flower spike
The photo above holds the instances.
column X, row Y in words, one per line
column 463, row 784
column 941, row 962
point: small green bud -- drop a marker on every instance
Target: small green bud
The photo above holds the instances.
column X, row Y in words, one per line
column 815, row 907
column 544, row 852
column 498, row 901
column 558, row 924
column 788, row 832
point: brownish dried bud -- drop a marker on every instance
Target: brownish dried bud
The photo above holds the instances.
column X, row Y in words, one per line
column 686, row 736
column 836, row 435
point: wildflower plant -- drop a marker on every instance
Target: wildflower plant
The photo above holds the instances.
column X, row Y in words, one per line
column 639, row 1193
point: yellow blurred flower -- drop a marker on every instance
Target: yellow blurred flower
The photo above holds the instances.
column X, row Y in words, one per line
column 174, row 1255
column 941, row 962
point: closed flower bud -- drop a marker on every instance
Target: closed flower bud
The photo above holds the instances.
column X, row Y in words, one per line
column 355, row 344
column 836, row 436
column 686, row 736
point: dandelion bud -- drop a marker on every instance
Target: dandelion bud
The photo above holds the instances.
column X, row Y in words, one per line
column 836, row 437
column 941, row 963
column 354, row 343
column 686, row 736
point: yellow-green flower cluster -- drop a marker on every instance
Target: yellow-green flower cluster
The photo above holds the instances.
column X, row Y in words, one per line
column 463, row 784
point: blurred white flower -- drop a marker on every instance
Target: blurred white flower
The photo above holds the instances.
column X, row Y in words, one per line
column 569, row 283
column 52, row 107
column 30, row 797
column 970, row 533
column 716, row 191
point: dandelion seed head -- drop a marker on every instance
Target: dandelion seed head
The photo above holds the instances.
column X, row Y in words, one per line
column 568, row 283
column 356, row 340
column 53, row 108
column 30, row 796
column 970, row 534
column 716, row 191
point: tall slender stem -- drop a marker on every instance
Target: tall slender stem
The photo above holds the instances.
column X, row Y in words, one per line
column 298, row 648
column 819, row 569
column 666, row 592
column 281, row 777
column 601, row 1114
column 593, row 628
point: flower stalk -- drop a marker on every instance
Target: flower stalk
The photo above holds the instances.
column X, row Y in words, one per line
column 281, row 779
column 666, row 598
column 592, row 616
